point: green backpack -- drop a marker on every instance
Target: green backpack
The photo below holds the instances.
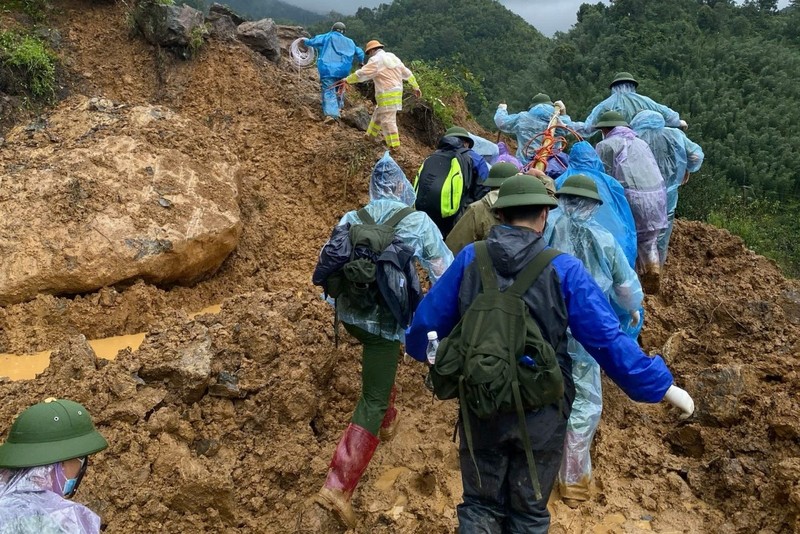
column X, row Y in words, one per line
column 495, row 360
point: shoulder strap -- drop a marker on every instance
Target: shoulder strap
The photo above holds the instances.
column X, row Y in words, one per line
column 488, row 276
column 398, row 216
column 365, row 217
column 531, row 272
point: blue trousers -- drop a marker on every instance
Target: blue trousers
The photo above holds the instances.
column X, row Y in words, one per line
column 331, row 102
column 505, row 502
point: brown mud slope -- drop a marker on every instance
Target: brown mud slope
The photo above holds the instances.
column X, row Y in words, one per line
column 226, row 423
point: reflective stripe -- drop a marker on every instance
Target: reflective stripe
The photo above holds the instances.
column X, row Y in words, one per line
column 391, row 98
column 413, row 81
column 352, row 78
column 392, row 140
column 373, row 129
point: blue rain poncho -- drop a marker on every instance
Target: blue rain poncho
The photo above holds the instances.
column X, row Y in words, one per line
column 573, row 229
column 389, row 191
column 336, row 54
column 31, row 501
column 675, row 154
column 526, row 125
column 615, row 213
column 625, row 100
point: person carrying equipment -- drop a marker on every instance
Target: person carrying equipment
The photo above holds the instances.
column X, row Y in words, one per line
column 336, row 55
column 388, row 73
column 383, row 237
column 573, row 229
column 503, row 309
column 628, row 159
column 676, row 155
column 42, row 463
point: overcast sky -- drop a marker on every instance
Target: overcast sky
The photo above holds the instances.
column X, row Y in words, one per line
column 548, row 16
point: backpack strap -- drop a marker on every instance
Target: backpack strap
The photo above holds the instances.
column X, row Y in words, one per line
column 365, row 217
column 488, row 276
column 398, row 216
column 531, row 272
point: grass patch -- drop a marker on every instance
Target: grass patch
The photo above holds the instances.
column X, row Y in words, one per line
column 35, row 9
column 28, row 65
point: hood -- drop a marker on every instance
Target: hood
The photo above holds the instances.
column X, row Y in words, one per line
column 542, row 112
column 648, row 120
column 449, row 143
column 344, row 46
column 389, row 182
column 512, row 248
column 583, row 157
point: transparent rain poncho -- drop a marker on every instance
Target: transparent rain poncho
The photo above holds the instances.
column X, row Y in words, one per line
column 573, row 229
column 504, row 156
column 389, row 191
column 484, row 147
column 625, row 100
column 31, row 503
column 336, row 54
column 615, row 213
column 526, row 125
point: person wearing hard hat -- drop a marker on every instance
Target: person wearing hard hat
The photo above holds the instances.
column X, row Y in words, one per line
column 528, row 125
column 479, row 218
column 498, row 490
column 42, row 463
column 573, row 229
column 388, row 73
column 631, row 162
column 335, row 59
column 625, row 100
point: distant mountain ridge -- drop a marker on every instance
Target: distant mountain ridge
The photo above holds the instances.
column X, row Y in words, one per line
column 282, row 12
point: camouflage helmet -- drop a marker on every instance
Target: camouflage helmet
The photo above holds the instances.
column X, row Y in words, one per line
column 50, row 432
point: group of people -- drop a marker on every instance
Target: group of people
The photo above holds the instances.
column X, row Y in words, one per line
column 593, row 222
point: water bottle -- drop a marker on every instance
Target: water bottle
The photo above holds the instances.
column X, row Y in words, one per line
column 527, row 361
column 433, row 346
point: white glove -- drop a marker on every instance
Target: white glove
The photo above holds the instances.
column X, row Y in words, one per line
column 682, row 124
column 502, row 106
column 562, row 109
column 681, row 400
column 635, row 317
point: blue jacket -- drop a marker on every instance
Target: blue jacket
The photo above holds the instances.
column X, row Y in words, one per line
column 564, row 296
column 336, row 54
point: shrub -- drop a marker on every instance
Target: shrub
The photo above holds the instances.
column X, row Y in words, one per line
column 29, row 65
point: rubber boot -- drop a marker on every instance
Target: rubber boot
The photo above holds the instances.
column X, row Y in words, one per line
column 348, row 464
column 389, row 425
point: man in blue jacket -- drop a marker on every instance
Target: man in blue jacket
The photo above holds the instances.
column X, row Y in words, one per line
column 564, row 296
column 336, row 54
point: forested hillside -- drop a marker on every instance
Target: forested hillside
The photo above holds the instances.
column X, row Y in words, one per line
column 259, row 9
column 729, row 69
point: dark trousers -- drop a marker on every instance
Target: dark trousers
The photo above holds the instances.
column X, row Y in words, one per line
column 505, row 502
column 378, row 370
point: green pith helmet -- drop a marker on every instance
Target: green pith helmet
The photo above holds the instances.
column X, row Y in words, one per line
column 461, row 133
column 611, row 119
column 580, row 185
column 523, row 190
column 49, row 432
column 624, row 77
column 499, row 173
column 541, row 98
column 338, row 27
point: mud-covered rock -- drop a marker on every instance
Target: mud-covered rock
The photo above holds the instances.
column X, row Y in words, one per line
column 261, row 36
column 717, row 392
column 357, row 117
column 84, row 208
column 167, row 25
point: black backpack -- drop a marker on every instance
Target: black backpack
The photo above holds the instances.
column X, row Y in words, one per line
column 442, row 183
column 495, row 360
column 364, row 265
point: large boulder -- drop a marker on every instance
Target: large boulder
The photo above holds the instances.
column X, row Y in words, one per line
column 223, row 21
column 98, row 193
column 166, row 25
column 261, row 36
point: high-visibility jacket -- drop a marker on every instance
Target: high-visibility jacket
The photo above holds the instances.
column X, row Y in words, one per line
column 387, row 72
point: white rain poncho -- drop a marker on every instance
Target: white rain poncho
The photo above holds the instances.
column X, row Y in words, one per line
column 389, row 191
column 526, row 125
column 628, row 159
column 675, row 154
column 573, row 229
column 31, row 503
column 625, row 100
column 485, row 148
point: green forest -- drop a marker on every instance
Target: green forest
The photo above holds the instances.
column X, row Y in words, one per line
column 281, row 12
column 730, row 69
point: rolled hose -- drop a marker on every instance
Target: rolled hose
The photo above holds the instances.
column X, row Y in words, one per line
column 302, row 56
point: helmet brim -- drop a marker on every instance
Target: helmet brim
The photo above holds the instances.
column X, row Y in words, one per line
column 19, row 455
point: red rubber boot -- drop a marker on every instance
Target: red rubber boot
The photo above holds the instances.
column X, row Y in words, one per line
column 348, row 464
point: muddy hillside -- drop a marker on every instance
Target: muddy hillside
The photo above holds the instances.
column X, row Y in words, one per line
column 225, row 422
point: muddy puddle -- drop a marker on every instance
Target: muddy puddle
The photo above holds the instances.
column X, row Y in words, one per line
column 27, row 366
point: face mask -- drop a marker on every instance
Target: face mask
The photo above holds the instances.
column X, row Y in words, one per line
column 69, row 486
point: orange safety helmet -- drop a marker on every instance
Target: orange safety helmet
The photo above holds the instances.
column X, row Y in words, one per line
column 372, row 45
